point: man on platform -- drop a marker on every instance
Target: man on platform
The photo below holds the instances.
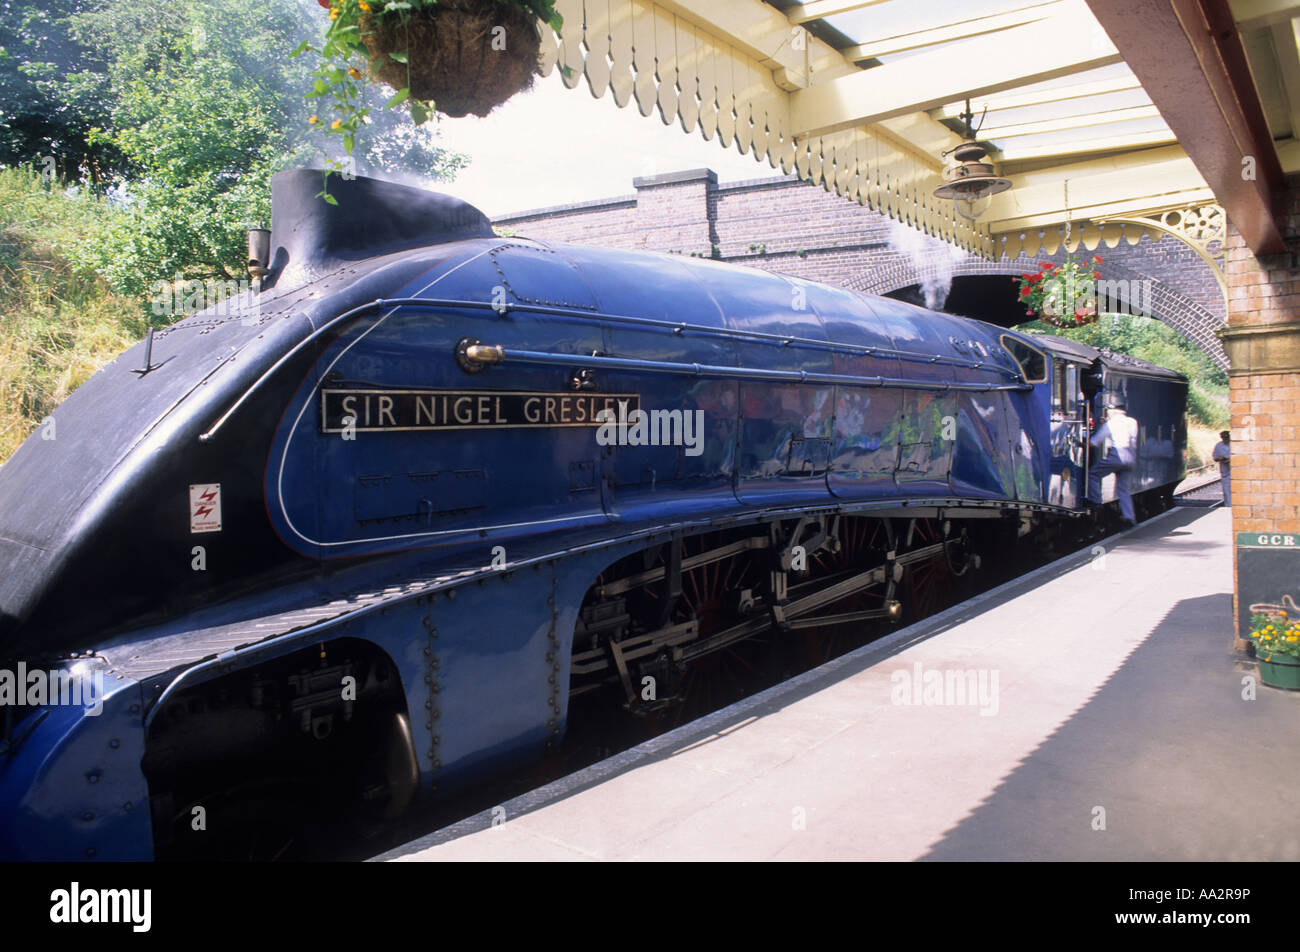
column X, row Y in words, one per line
column 1119, row 436
column 1222, row 455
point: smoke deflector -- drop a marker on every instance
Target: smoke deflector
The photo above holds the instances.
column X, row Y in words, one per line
column 310, row 237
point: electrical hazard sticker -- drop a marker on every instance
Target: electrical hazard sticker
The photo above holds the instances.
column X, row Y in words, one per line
column 205, row 507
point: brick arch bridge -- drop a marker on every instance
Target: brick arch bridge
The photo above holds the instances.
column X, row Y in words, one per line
column 784, row 225
column 976, row 287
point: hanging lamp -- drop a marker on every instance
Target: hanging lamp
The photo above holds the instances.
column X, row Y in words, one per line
column 972, row 181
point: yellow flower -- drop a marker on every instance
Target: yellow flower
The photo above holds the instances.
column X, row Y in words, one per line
column 336, row 123
column 364, row 6
column 354, row 72
column 334, row 13
column 312, row 121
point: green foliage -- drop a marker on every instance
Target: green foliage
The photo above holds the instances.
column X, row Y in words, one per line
column 53, row 91
column 200, row 105
column 58, row 322
column 170, row 116
column 205, row 145
column 1207, row 406
column 1275, row 634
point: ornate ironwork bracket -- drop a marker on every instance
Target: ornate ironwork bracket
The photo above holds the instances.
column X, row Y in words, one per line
column 1202, row 228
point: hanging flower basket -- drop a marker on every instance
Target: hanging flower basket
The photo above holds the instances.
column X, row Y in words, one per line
column 1063, row 295
column 465, row 56
column 455, row 56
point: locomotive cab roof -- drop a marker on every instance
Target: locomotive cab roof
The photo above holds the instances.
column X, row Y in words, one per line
column 1104, row 357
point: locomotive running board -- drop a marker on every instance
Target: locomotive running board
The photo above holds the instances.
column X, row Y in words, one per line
column 173, row 655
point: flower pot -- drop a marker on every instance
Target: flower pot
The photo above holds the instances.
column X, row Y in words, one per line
column 1280, row 671
column 1067, row 320
column 455, row 54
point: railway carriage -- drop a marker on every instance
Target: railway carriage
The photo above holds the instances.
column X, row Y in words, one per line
column 359, row 537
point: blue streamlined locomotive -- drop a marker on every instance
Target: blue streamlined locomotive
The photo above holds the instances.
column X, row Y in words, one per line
column 363, row 534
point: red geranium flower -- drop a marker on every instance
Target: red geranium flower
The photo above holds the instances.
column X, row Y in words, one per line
column 1096, row 259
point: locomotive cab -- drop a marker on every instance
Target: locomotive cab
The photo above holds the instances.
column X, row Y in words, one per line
column 1081, row 379
column 1070, row 431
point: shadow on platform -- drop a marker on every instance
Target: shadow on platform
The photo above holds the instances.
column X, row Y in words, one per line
column 1183, row 765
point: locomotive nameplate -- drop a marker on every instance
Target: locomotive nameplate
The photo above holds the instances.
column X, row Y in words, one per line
column 369, row 411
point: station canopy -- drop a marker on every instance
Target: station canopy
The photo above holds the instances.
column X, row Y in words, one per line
column 864, row 98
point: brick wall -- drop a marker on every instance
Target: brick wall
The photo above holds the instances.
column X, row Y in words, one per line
column 1263, row 342
column 1264, row 388
column 609, row 223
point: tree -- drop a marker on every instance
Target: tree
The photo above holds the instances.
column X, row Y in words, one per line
column 53, row 92
column 207, row 106
column 203, row 143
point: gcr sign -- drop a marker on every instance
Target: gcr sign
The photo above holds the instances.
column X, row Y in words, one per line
column 1267, row 540
column 1268, row 574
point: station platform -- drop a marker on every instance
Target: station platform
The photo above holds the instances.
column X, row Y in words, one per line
column 1113, row 724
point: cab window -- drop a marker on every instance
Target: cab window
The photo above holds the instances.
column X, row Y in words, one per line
column 1032, row 362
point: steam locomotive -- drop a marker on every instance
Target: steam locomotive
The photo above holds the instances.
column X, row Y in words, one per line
column 363, row 532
